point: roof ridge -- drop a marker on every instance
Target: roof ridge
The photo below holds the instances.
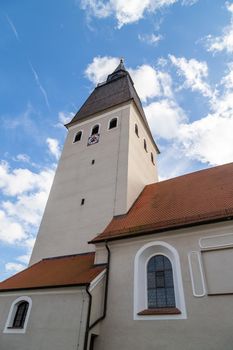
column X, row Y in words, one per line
column 192, row 173
column 66, row 256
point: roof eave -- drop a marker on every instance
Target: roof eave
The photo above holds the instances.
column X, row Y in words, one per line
column 45, row 287
column 96, row 114
column 152, row 230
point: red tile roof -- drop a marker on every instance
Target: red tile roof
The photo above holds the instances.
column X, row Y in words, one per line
column 72, row 270
column 191, row 199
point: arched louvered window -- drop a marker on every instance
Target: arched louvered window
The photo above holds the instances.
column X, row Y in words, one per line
column 95, row 130
column 145, row 145
column 136, row 130
column 78, row 136
column 20, row 314
column 160, row 286
column 113, row 123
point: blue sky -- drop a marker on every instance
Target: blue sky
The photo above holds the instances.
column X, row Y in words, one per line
column 52, row 54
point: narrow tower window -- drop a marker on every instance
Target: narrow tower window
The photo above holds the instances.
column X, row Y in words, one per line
column 95, row 130
column 152, row 158
column 145, row 145
column 113, row 123
column 82, row 201
column 136, row 130
column 78, row 136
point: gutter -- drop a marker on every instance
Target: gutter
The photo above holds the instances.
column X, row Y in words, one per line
column 88, row 326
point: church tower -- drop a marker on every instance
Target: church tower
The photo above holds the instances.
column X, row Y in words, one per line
column 108, row 157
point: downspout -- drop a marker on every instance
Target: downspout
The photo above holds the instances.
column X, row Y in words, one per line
column 88, row 326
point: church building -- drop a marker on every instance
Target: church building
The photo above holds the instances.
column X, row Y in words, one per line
column 122, row 260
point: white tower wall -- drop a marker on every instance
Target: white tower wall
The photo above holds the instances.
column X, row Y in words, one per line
column 109, row 186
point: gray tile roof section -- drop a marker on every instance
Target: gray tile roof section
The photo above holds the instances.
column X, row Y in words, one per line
column 118, row 89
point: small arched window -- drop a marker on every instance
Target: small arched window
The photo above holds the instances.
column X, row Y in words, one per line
column 113, row 123
column 20, row 315
column 152, row 158
column 160, row 286
column 78, row 136
column 136, row 130
column 95, row 130
column 145, row 145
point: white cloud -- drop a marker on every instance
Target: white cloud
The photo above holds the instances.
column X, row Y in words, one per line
column 40, row 86
column 14, row 267
column 223, row 42
column 23, row 158
column 126, row 12
column 227, row 80
column 24, row 258
column 21, row 214
column 10, row 231
column 209, row 139
column 195, row 72
column 27, row 208
column 64, row 118
column 97, row 8
column 98, row 70
column 54, row 147
column 12, row 26
column 189, row 2
column 146, row 81
column 152, row 39
column 165, row 118
column 17, row 181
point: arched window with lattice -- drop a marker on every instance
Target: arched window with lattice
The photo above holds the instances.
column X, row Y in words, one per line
column 160, row 286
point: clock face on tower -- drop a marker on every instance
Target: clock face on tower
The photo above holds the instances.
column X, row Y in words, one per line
column 93, row 139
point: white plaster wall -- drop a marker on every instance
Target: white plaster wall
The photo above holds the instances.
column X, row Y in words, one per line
column 67, row 226
column 141, row 170
column 209, row 318
column 97, row 300
column 56, row 322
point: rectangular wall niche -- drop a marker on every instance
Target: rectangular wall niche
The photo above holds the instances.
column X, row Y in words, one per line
column 218, row 266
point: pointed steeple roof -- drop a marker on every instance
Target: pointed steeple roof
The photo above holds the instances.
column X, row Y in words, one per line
column 116, row 90
column 120, row 71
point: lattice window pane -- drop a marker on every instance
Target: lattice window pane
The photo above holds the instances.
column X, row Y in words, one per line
column 151, row 280
column 168, row 278
column 160, row 286
column 161, row 297
column 159, row 263
column 151, row 298
column 170, row 297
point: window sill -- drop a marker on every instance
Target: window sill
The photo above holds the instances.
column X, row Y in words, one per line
column 160, row 311
column 14, row 327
